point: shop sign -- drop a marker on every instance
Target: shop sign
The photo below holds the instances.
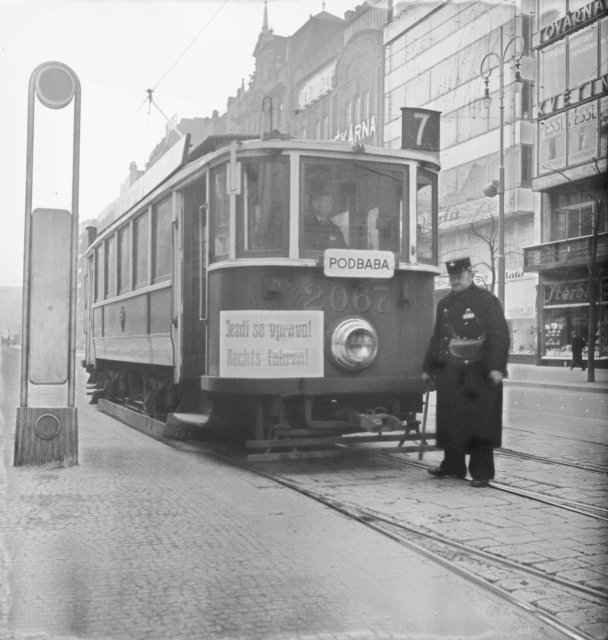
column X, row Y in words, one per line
column 571, row 97
column 316, row 86
column 575, row 292
column 358, row 132
column 582, row 133
column 552, row 143
column 467, row 213
column 572, row 20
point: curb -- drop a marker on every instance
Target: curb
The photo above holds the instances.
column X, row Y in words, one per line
column 551, row 385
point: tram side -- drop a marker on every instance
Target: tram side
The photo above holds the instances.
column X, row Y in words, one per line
column 270, row 285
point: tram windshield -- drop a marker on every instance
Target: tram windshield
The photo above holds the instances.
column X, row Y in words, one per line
column 351, row 205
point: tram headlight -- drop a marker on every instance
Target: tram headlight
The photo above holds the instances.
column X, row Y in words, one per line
column 354, row 343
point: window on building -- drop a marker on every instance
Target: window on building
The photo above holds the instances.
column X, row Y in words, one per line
column 604, row 47
column 265, row 206
column 110, row 266
column 141, row 247
column 573, row 216
column 349, row 114
column 417, row 91
column 553, row 70
column 124, row 259
column 162, row 241
column 366, row 106
column 582, row 56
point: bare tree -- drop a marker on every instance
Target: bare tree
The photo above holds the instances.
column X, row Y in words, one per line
column 489, row 237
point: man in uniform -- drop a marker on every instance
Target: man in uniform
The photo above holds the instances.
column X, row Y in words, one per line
column 466, row 362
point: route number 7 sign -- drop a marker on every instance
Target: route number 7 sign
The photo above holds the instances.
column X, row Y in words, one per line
column 420, row 129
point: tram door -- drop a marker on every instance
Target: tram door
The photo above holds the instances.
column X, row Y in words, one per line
column 193, row 280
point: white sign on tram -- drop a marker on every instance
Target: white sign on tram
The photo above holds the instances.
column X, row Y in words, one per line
column 344, row 263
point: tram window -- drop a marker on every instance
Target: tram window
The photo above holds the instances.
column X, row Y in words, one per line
column 426, row 216
column 161, row 241
column 141, row 244
column 356, row 205
column 266, row 206
column 124, row 259
column 99, row 262
column 110, row 267
column 220, row 208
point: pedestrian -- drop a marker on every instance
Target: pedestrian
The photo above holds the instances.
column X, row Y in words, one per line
column 577, row 343
column 466, row 362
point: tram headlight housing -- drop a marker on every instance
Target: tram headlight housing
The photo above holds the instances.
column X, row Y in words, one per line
column 354, row 343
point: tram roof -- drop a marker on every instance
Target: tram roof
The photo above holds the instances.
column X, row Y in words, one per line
column 177, row 163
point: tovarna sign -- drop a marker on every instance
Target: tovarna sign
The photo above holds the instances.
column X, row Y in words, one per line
column 572, row 20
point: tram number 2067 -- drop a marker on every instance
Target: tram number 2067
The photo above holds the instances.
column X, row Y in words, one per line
column 339, row 298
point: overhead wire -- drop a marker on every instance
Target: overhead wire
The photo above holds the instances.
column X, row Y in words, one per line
column 148, row 99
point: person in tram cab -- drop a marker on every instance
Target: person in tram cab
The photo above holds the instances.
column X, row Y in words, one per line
column 466, row 362
column 321, row 232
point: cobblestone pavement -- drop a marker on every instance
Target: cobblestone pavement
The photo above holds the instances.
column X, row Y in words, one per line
column 564, row 544
column 146, row 541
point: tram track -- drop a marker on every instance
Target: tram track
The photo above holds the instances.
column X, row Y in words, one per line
column 475, row 565
column 592, row 511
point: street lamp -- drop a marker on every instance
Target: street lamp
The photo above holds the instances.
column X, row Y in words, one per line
column 485, row 72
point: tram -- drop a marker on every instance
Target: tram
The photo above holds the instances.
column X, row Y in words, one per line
column 268, row 284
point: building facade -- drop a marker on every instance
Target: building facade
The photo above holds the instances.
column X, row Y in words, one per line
column 571, row 112
column 433, row 53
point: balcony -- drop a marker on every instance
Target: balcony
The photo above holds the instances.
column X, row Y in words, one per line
column 574, row 252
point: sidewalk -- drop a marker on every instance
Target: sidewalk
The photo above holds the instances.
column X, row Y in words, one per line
column 528, row 375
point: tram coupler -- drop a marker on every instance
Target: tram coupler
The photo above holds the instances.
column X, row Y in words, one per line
column 376, row 420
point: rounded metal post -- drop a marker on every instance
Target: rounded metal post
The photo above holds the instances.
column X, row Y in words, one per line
column 501, row 182
column 74, row 245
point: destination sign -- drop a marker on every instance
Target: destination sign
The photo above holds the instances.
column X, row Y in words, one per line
column 342, row 263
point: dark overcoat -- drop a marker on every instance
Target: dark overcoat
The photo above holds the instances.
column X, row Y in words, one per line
column 469, row 405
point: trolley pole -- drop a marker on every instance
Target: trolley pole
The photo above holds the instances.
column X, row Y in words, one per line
column 49, row 434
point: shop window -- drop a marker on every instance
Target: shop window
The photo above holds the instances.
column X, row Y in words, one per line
column 162, row 241
column 141, row 232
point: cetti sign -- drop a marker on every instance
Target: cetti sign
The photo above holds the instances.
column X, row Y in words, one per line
column 358, row 132
column 571, row 97
column 572, row 20
column 343, row 263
